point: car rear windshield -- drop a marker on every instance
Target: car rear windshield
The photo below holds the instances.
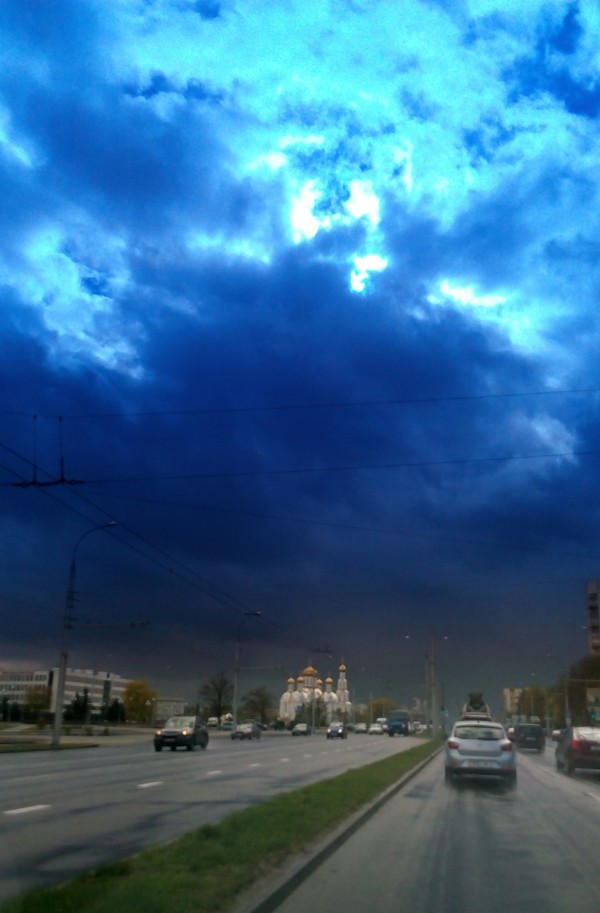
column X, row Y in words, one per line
column 478, row 732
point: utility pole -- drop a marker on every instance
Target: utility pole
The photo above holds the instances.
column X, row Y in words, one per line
column 236, row 668
column 67, row 625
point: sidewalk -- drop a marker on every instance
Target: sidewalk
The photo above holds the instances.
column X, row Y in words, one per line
column 85, row 736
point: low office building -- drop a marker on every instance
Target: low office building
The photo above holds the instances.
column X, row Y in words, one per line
column 102, row 688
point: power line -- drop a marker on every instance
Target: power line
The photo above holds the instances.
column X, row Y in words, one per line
column 333, row 404
column 357, row 467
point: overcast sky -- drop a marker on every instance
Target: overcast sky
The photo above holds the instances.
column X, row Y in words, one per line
column 303, row 296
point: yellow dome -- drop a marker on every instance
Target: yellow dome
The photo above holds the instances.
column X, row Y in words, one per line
column 329, row 680
column 310, row 671
column 342, row 668
column 291, row 680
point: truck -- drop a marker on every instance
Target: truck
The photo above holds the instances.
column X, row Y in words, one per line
column 398, row 723
column 475, row 708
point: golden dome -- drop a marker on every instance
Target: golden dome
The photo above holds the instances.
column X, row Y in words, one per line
column 291, row 680
column 342, row 668
column 310, row 670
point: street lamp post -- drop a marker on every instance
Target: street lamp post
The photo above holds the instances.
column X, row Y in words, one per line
column 236, row 669
column 67, row 625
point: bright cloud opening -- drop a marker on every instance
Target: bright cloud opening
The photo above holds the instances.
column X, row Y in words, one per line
column 363, row 201
column 371, row 263
column 466, row 295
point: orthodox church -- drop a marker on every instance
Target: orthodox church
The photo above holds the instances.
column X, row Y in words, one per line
column 308, row 687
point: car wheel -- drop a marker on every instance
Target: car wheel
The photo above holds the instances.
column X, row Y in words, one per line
column 158, row 748
column 203, row 740
column 448, row 775
column 511, row 779
column 570, row 767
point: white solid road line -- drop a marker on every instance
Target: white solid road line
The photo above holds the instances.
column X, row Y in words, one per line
column 150, row 784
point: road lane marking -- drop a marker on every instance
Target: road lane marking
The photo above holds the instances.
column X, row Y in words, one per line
column 593, row 796
column 150, row 784
column 284, row 760
column 213, row 773
column 26, row 810
column 254, row 765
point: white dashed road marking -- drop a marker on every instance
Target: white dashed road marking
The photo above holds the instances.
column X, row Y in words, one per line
column 26, row 810
column 149, row 785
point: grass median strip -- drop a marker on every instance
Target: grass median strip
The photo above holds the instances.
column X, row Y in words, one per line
column 206, row 870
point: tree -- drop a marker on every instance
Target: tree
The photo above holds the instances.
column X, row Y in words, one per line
column 216, row 696
column 37, row 703
column 582, row 675
column 257, row 703
column 137, row 701
column 115, row 712
column 381, row 706
column 533, row 702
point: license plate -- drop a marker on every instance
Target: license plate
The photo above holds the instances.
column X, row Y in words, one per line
column 479, row 764
column 594, row 747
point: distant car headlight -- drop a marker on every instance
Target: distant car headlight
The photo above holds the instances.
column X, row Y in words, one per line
column 158, row 732
column 184, row 732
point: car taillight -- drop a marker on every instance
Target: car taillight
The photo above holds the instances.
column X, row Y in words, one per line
column 452, row 743
column 507, row 746
column 575, row 744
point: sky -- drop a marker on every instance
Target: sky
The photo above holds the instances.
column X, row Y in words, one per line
column 302, row 296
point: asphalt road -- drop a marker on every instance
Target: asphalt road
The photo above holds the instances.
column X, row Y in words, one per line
column 65, row 812
column 471, row 847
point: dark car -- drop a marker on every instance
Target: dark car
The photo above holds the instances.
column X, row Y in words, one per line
column 181, row 732
column 578, row 746
column 337, row 730
column 529, row 735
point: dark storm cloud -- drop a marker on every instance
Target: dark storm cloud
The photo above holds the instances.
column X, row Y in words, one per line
column 351, row 464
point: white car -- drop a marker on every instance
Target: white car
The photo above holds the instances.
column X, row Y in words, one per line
column 360, row 727
column 480, row 747
column 375, row 729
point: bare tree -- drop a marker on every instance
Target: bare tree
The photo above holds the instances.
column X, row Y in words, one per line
column 216, row 696
column 257, row 703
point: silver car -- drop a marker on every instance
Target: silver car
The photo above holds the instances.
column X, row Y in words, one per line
column 480, row 747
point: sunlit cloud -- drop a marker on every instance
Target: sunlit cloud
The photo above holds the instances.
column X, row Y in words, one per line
column 363, row 267
column 466, row 295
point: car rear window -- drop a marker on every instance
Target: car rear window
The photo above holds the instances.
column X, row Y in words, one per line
column 478, row 732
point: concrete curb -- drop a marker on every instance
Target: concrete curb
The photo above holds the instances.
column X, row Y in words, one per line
column 267, row 898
